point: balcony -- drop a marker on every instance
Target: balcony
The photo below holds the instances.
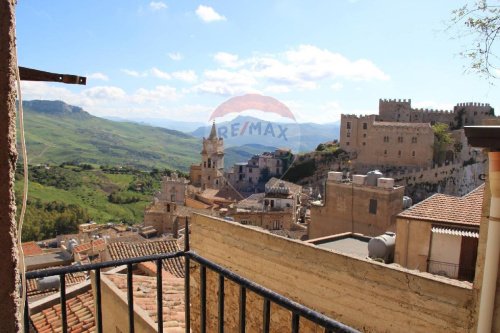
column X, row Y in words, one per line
column 297, row 311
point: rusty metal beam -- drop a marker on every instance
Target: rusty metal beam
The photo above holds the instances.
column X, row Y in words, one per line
column 29, row 74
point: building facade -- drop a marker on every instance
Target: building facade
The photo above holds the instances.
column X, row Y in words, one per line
column 354, row 206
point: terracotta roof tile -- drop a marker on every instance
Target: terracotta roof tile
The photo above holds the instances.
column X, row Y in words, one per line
column 71, row 280
column 80, row 315
column 121, row 250
column 98, row 244
column 446, row 208
column 31, row 249
column 145, row 297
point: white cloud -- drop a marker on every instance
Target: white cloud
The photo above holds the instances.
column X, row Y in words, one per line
column 157, row 5
column 207, row 14
column 186, row 76
column 160, row 74
column 277, row 89
column 98, row 76
column 337, row 86
column 47, row 91
column 176, row 56
column 301, row 68
column 105, row 92
column 158, row 94
column 227, row 59
column 133, row 73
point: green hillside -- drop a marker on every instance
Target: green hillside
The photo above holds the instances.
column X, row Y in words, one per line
column 57, row 132
column 61, row 197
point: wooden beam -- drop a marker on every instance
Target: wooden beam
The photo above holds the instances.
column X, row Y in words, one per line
column 29, row 74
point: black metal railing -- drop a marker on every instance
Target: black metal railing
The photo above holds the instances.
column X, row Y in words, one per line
column 298, row 310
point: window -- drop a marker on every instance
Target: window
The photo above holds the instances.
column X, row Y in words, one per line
column 413, row 153
column 272, row 203
column 400, row 139
column 348, row 134
column 364, row 135
column 365, row 126
column 209, row 163
column 373, row 207
column 277, row 171
column 347, row 143
column 385, row 152
column 364, row 143
column 414, row 139
column 250, row 180
column 386, row 139
column 348, row 125
column 249, row 170
column 399, row 153
column 168, row 208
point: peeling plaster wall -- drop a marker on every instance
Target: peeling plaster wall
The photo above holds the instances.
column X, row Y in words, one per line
column 9, row 277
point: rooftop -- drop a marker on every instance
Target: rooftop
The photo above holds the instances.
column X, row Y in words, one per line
column 31, row 249
column 464, row 210
column 48, row 259
column 80, row 314
column 121, row 250
column 145, row 298
column 352, row 244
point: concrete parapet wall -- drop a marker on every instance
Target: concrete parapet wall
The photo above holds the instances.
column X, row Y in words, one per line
column 366, row 295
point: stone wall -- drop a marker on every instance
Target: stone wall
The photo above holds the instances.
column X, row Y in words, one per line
column 9, row 274
column 386, row 143
column 366, row 295
column 453, row 179
column 347, row 209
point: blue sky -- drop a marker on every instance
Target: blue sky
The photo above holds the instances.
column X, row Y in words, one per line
column 181, row 59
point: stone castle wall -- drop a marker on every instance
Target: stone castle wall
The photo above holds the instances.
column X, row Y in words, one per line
column 386, row 143
column 453, row 179
column 369, row 296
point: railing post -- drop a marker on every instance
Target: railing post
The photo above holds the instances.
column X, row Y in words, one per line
column 187, row 308
column 26, row 313
column 203, row 299
column 98, row 300
column 295, row 323
column 159, row 294
column 266, row 315
column 130, row 298
column 221, row 303
column 64, row 319
column 243, row 301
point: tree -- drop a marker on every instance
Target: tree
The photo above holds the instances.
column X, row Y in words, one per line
column 442, row 141
column 481, row 20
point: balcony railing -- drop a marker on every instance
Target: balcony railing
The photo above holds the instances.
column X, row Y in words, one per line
column 454, row 271
column 298, row 311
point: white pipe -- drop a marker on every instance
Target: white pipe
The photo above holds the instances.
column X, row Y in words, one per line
column 490, row 276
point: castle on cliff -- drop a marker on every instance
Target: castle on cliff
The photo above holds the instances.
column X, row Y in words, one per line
column 401, row 136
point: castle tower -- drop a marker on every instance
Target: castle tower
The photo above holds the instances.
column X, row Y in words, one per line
column 173, row 189
column 212, row 161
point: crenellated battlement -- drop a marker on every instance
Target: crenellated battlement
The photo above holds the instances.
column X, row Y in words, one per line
column 394, row 100
column 474, row 104
column 422, row 110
